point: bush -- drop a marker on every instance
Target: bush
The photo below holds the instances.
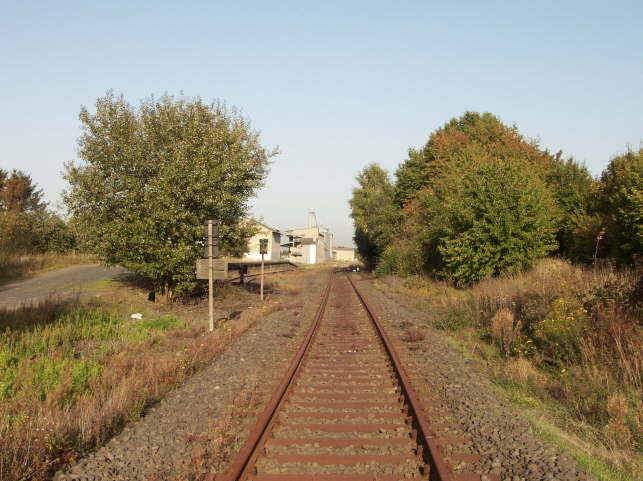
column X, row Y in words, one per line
column 404, row 257
column 559, row 335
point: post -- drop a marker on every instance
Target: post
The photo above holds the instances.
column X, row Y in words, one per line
column 210, row 280
column 263, row 249
column 261, row 288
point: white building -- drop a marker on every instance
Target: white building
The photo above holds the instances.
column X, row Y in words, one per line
column 310, row 245
column 274, row 241
column 344, row 254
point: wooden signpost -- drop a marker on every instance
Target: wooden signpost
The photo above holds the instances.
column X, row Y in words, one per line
column 211, row 268
column 263, row 249
column 219, row 269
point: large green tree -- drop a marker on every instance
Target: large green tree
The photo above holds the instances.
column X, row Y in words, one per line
column 151, row 175
column 475, row 201
column 488, row 217
column 374, row 212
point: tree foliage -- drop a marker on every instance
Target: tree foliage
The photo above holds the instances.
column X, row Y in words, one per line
column 26, row 225
column 490, row 217
column 621, row 202
column 479, row 199
column 448, row 145
column 374, row 213
column 575, row 191
column 475, row 202
column 151, row 175
column 18, row 193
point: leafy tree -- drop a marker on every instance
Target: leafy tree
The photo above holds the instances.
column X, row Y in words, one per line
column 374, row 213
column 475, row 201
column 575, row 191
column 53, row 234
column 488, row 217
column 446, row 147
column 622, row 205
column 151, row 176
column 411, row 176
column 21, row 209
column 18, row 193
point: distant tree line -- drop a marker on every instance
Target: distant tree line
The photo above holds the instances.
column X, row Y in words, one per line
column 479, row 199
column 27, row 225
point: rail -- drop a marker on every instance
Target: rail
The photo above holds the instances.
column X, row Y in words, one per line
column 342, row 364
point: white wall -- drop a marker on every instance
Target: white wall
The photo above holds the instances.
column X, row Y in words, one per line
column 274, row 239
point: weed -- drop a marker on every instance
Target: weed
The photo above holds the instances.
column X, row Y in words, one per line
column 75, row 376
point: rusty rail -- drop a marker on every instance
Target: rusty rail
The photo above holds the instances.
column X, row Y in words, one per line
column 250, row 448
column 439, row 471
column 332, row 354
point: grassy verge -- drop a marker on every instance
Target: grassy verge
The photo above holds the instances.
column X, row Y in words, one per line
column 71, row 375
column 14, row 267
column 565, row 344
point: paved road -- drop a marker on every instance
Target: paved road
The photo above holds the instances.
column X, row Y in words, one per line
column 61, row 282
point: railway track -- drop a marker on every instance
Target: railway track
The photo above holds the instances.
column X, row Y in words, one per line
column 346, row 410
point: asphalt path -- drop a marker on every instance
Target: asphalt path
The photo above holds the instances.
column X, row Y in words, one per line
column 64, row 282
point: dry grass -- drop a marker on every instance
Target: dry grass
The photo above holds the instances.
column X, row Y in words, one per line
column 504, row 329
column 75, row 377
column 14, row 266
column 565, row 335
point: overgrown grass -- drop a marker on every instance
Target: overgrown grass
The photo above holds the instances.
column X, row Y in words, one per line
column 72, row 375
column 564, row 339
column 16, row 266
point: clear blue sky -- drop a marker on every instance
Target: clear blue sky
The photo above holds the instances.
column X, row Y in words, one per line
column 335, row 84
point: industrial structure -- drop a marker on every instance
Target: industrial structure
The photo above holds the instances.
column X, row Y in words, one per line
column 309, row 245
column 306, row 245
column 344, row 254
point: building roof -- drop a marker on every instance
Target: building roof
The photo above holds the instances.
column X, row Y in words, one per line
column 266, row 226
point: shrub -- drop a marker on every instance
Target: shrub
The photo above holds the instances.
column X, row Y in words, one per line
column 559, row 335
column 504, row 329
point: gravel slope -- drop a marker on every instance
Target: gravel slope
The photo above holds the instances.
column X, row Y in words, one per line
column 495, row 428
